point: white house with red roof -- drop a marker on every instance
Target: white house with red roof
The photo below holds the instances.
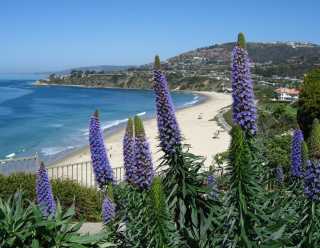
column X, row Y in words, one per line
column 287, row 94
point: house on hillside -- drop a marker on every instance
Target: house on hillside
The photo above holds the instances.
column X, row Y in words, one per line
column 287, row 94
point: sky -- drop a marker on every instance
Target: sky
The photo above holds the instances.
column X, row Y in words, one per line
column 50, row 35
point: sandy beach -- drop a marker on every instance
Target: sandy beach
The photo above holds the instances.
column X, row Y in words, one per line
column 197, row 126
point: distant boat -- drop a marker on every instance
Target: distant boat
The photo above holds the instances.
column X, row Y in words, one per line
column 11, row 155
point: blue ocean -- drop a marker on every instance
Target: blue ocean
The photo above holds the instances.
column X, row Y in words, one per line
column 53, row 120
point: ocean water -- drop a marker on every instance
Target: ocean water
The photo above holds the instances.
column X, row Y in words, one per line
column 53, row 120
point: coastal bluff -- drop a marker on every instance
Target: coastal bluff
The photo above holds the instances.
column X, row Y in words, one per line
column 132, row 80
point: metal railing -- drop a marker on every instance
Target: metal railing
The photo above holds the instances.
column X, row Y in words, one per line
column 81, row 172
column 15, row 165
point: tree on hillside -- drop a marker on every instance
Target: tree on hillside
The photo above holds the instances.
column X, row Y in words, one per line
column 314, row 140
column 309, row 102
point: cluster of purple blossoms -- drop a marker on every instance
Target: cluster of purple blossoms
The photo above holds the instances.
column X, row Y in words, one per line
column 243, row 107
column 312, row 180
column 108, row 210
column 296, row 154
column 128, row 152
column 143, row 166
column 279, row 174
column 45, row 198
column 100, row 162
column 169, row 132
column 212, row 183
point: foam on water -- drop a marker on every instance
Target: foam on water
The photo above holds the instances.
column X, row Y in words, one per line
column 111, row 124
column 141, row 114
column 195, row 100
column 49, row 151
column 56, row 125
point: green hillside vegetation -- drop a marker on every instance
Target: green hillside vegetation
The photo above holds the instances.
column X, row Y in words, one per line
column 205, row 68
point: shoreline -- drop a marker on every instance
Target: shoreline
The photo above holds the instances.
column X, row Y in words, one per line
column 120, row 128
column 40, row 84
column 187, row 116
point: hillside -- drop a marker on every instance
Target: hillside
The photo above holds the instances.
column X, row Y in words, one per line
column 291, row 59
column 206, row 68
column 104, row 68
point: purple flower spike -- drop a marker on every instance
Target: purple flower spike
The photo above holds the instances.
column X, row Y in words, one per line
column 143, row 169
column 243, row 106
column 312, row 180
column 45, row 198
column 128, row 151
column 296, row 154
column 100, row 162
column 108, row 210
column 168, row 127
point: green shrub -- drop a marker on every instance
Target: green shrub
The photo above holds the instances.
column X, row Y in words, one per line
column 277, row 151
column 309, row 102
column 276, row 118
column 87, row 201
column 23, row 225
column 314, row 140
column 228, row 117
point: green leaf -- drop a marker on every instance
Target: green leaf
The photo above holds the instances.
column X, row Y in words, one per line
column 278, row 234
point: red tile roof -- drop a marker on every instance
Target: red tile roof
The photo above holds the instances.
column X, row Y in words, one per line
column 288, row 91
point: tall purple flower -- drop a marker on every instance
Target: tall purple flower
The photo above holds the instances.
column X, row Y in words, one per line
column 296, row 153
column 143, row 169
column 169, row 132
column 128, row 151
column 44, row 194
column 100, row 162
column 108, row 210
column 243, row 106
column 312, row 180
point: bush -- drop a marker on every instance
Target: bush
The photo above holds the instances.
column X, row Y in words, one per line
column 276, row 118
column 23, row 225
column 87, row 201
column 309, row 102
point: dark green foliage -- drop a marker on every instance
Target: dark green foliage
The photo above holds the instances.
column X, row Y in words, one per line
column 242, row 199
column 276, row 118
column 241, row 40
column 263, row 93
column 10, row 184
column 309, row 102
column 309, row 226
column 23, row 225
column 161, row 231
column 134, row 213
column 193, row 212
column 275, row 151
column 305, row 155
column 87, row 201
column 147, row 217
column 314, row 140
column 221, row 157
